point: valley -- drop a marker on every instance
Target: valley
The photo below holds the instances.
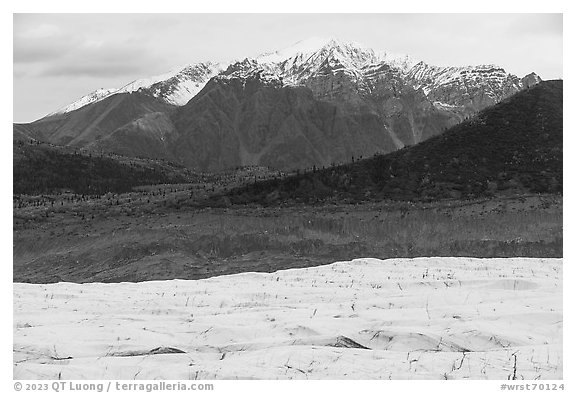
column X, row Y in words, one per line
column 127, row 238
column 488, row 187
column 321, row 211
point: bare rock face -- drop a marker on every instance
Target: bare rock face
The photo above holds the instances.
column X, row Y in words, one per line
column 530, row 80
column 407, row 114
column 249, row 122
column 464, row 90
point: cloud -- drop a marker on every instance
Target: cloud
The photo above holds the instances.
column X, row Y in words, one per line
column 83, row 56
column 539, row 25
column 38, row 51
column 41, row 31
column 80, row 46
column 43, row 42
column 86, row 51
column 106, row 65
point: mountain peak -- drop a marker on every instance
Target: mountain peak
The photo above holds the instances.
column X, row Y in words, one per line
column 531, row 79
column 305, row 58
column 310, row 46
column 323, row 57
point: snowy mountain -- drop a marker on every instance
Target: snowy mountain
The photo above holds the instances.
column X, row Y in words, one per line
column 473, row 87
column 315, row 103
column 179, row 86
column 470, row 88
column 175, row 87
column 311, row 57
column 251, row 69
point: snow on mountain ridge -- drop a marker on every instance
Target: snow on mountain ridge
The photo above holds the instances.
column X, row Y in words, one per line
column 360, row 54
column 89, row 98
column 179, row 85
column 185, row 84
column 137, row 84
column 176, row 86
column 306, row 59
column 252, row 69
column 291, row 65
column 494, row 80
column 438, row 76
column 301, row 47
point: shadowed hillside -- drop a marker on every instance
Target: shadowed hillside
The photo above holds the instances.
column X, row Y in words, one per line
column 512, row 147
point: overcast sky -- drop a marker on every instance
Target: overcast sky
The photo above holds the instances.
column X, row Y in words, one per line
column 60, row 57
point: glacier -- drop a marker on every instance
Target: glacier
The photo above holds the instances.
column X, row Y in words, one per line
column 422, row 318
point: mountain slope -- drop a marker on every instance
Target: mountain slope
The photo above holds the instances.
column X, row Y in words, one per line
column 147, row 136
column 318, row 102
column 257, row 123
column 515, row 146
column 25, row 133
column 248, row 116
column 96, row 120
